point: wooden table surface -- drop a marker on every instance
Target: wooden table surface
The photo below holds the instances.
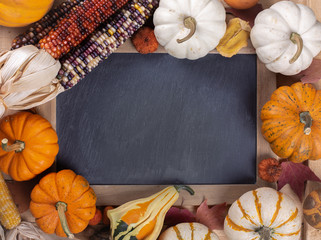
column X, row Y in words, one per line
column 7, row 35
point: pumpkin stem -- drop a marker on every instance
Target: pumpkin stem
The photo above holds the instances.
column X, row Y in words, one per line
column 189, row 23
column 62, row 208
column 264, row 232
column 296, row 39
column 306, row 119
column 184, row 187
column 18, row 146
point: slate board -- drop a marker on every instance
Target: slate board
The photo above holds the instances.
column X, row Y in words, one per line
column 154, row 119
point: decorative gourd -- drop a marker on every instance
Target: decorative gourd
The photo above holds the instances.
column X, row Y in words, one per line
column 291, row 122
column 63, row 203
column 286, row 36
column 29, row 145
column 188, row 231
column 311, row 209
column 143, row 219
column 263, row 214
column 241, row 4
column 189, row 28
column 20, row 13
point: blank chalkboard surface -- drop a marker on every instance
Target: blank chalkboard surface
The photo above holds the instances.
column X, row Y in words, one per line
column 154, row 119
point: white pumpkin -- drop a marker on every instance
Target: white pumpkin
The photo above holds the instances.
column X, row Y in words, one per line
column 263, row 213
column 188, row 231
column 286, row 36
column 189, row 28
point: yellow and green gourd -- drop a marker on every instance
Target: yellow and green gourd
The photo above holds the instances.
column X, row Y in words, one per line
column 143, row 218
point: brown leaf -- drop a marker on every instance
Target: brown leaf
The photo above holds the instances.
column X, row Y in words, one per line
column 178, row 215
column 296, row 174
column 247, row 15
column 313, row 73
column 212, row 217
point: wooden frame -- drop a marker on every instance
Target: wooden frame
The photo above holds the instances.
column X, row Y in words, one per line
column 116, row 194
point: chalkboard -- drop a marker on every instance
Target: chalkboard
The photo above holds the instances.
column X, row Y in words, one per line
column 154, row 119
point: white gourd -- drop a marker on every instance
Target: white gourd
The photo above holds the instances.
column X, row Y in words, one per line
column 188, row 231
column 264, row 214
column 189, row 28
column 287, row 37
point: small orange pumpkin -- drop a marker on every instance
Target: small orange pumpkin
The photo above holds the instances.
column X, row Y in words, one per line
column 241, row 4
column 292, row 122
column 29, row 145
column 20, row 13
column 63, row 203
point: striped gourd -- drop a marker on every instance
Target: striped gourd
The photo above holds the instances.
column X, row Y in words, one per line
column 79, row 23
column 104, row 41
column 188, row 231
column 9, row 215
column 263, row 214
column 143, row 219
column 42, row 27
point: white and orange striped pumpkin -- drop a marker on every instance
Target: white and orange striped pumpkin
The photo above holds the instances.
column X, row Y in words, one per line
column 188, row 231
column 263, row 213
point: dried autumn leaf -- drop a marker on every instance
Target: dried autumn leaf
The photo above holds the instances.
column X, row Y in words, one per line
column 178, row 215
column 235, row 38
column 313, row 73
column 296, row 174
column 212, row 217
column 247, row 15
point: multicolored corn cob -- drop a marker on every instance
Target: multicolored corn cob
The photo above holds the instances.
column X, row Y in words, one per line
column 41, row 28
column 104, row 41
column 79, row 23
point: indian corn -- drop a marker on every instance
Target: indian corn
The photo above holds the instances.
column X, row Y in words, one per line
column 9, row 215
column 41, row 28
column 79, row 23
column 104, row 41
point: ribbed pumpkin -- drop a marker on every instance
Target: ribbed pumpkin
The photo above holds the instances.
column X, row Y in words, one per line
column 188, row 231
column 20, row 13
column 29, row 145
column 143, row 219
column 292, row 122
column 63, row 203
column 263, row 214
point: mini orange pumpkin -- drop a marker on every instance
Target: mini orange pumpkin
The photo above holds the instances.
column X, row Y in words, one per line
column 33, row 145
column 63, row 203
column 241, row 4
column 20, row 13
column 292, row 122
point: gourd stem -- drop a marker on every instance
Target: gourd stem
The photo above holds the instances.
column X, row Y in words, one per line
column 62, row 208
column 184, row 187
column 189, row 23
column 264, row 232
column 306, row 119
column 18, row 146
column 296, row 39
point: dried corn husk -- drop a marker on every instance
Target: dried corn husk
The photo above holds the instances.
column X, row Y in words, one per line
column 235, row 38
column 26, row 230
column 27, row 78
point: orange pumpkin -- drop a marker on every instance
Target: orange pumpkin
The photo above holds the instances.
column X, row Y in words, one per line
column 241, row 4
column 292, row 122
column 63, row 203
column 20, row 13
column 29, row 145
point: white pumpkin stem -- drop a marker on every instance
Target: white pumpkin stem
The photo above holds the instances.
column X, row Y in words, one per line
column 306, row 119
column 189, row 23
column 296, row 39
column 18, row 146
column 62, row 208
column 265, row 233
